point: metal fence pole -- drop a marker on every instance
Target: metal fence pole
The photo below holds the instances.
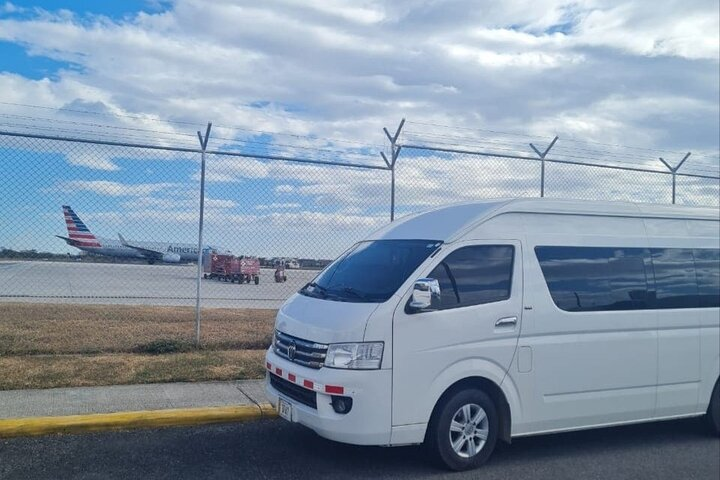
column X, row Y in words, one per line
column 542, row 163
column 673, row 172
column 392, row 193
column 394, row 153
column 203, row 145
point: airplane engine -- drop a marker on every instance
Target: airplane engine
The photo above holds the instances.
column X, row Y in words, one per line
column 171, row 258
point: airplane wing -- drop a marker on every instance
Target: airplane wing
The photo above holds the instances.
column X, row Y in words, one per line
column 145, row 252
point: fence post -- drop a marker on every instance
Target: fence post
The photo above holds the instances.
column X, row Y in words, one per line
column 542, row 163
column 394, row 154
column 673, row 172
column 203, row 146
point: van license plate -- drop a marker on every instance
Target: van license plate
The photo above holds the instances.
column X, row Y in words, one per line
column 285, row 409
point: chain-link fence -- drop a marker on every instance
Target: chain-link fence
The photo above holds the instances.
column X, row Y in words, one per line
column 116, row 222
column 427, row 176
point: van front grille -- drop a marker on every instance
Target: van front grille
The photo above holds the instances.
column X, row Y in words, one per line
column 303, row 352
column 296, row 392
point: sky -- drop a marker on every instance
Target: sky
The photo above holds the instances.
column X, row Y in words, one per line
column 621, row 82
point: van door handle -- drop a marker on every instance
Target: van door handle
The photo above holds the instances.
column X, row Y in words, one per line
column 506, row 322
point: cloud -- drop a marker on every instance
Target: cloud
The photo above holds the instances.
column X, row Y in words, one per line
column 279, row 206
column 311, row 76
column 692, row 33
column 94, row 160
column 347, row 68
column 113, row 189
column 491, row 59
column 9, row 7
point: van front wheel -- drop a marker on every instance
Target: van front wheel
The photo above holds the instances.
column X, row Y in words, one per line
column 463, row 431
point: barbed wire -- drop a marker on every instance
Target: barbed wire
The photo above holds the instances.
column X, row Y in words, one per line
column 196, row 125
column 526, row 135
column 107, row 114
column 420, row 138
column 527, row 152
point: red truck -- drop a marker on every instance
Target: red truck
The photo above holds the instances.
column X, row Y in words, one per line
column 230, row 268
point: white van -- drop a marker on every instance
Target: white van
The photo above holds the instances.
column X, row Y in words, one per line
column 481, row 321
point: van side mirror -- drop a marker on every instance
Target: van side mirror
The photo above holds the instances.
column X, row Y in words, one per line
column 425, row 295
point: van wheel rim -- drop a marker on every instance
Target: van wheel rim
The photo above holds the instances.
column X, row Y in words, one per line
column 469, row 429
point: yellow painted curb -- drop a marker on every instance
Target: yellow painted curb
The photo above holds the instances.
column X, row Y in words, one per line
column 19, row 427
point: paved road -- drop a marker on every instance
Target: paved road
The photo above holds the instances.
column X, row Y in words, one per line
column 132, row 284
column 276, row 449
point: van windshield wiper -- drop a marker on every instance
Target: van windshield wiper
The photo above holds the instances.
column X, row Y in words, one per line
column 319, row 289
column 355, row 293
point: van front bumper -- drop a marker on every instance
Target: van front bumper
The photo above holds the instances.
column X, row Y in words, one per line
column 367, row 423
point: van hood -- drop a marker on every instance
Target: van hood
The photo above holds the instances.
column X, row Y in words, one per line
column 324, row 321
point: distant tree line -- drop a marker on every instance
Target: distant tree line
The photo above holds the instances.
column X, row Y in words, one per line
column 32, row 255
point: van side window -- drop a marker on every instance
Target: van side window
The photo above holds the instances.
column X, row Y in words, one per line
column 584, row 279
column 707, row 269
column 630, row 274
column 675, row 283
column 475, row 275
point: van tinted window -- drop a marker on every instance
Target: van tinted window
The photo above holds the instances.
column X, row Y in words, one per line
column 475, row 275
column 675, row 283
column 707, row 271
column 600, row 278
column 591, row 279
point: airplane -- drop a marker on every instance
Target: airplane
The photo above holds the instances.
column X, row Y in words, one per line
column 80, row 236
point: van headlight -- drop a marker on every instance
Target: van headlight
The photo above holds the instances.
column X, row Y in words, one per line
column 356, row 356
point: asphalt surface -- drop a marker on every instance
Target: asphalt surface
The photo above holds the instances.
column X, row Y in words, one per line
column 276, row 449
column 133, row 284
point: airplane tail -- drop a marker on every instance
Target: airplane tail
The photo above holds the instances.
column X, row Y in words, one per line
column 78, row 232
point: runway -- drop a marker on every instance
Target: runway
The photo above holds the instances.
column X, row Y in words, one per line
column 126, row 284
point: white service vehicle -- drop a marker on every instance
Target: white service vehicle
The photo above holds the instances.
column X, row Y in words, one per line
column 482, row 321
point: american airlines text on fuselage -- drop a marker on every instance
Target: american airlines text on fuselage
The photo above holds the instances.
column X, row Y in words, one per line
column 172, row 249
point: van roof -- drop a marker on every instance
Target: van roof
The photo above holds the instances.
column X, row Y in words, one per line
column 449, row 222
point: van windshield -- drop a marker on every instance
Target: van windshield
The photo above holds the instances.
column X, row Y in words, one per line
column 370, row 271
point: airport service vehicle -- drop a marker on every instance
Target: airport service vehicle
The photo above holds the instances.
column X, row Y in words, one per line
column 280, row 275
column 478, row 322
column 80, row 237
column 229, row 268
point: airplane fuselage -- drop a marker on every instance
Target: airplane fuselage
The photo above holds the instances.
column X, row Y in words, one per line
column 80, row 236
column 110, row 247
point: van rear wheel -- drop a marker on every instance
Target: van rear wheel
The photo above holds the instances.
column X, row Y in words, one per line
column 463, row 431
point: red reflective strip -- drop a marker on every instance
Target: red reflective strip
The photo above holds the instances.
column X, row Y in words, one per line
column 291, row 377
column 334, row 390
column 308, row 384
column 269, row 367
column 278, row 371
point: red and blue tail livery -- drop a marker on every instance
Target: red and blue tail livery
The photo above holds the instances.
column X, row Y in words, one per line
column 78, row 232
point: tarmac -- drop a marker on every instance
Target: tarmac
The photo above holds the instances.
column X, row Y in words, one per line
column 71, row 410
column 137, row 284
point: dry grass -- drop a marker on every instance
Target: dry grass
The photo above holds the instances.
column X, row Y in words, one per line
column 47, row 345
column 32, row 329
column 50, row 371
